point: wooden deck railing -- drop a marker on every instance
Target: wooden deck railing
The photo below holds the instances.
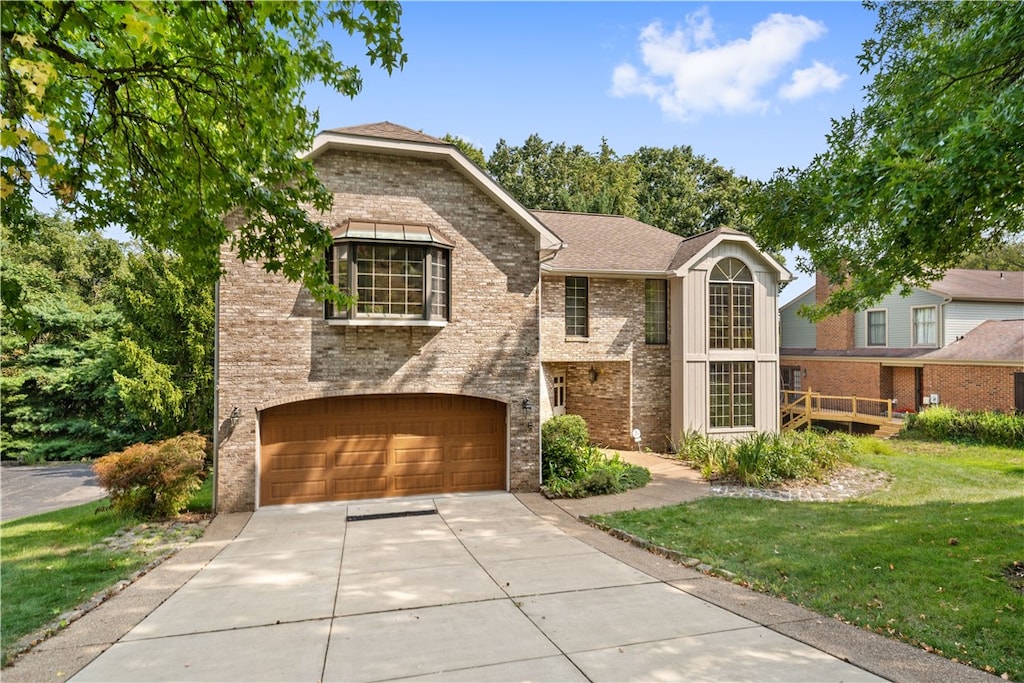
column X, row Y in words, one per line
column 799, row 408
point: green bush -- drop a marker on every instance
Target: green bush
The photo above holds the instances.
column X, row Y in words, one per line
column 766, row 459
column 563, row 443
column 573, row 468
column 154, row 480
column 986, row 428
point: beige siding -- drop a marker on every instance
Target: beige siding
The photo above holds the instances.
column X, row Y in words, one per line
column 690, row 358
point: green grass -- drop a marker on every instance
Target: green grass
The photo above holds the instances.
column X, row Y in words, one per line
column 921, row 561
column 48, row 567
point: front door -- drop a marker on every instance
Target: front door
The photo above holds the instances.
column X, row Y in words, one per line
column 558, row 395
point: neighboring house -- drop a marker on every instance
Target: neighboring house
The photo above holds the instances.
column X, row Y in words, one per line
column 461, row 342
column 959, row 342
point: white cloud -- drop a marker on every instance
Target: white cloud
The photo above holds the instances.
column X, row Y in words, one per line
column 810, row 81
column 688, row 72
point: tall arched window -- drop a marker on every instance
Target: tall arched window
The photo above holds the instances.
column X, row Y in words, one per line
column 731, row 306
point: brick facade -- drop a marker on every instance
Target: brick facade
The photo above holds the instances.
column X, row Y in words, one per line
column 275, row 347
column 972, row 387
column 632, row 383
column 834, row 333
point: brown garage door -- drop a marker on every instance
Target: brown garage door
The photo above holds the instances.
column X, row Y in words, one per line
column 378, row 446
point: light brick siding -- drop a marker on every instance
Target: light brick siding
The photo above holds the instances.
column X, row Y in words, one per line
column 274, row 345
column 972, row 387
column 633, row 383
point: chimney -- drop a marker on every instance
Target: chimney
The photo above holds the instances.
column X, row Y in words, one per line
column 834, row 333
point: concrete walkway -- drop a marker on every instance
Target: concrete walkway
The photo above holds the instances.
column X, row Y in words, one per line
column 485, row 587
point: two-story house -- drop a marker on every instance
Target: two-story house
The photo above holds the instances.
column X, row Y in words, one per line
column 475, row 319
column 958, row 342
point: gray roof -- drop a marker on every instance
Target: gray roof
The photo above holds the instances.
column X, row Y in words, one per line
column 993, row 340
column 981, row 285
column 602, row 243
column 609, row 244
column 387, row 131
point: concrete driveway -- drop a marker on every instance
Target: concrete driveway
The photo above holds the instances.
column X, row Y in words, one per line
column 462, row 588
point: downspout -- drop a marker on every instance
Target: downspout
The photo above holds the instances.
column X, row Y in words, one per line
column 216, row 391
column 941, row 322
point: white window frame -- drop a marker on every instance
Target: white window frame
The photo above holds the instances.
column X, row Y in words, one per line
column 885, row 327
column 934, row 323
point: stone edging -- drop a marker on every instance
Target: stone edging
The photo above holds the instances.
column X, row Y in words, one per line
column 75, row 613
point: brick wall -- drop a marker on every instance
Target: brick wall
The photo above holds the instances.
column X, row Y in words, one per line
column 837, row 332
column 972, row 387
column 904, row 388
column 842, row 378
column 274, row 345
column 633, row 385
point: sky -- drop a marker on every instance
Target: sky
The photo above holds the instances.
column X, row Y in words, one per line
column 753, row 85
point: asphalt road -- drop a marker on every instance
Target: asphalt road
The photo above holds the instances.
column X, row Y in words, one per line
column 31, row 490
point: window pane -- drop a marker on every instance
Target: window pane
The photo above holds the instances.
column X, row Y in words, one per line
column 390, row 282
column 719, row 316
column 924, row 326
column 439, row 284
column 742, row 316
column 876, row 328
column 338, row 274
column 732, row 394
column 576, row 306
column 656, row 311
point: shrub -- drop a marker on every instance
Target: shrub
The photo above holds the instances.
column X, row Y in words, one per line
column 154, row 480
column 563, row 443
column 573, row 468
column 987, row 428
column 766, row 459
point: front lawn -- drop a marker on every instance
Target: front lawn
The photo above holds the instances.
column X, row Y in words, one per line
column 55, row 561
column 925, row 560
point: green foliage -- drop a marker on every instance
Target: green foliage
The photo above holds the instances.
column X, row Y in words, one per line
column 949, row 424
column 120, row 347
column 154, row 480
column 673, row 189
column 766, row 459
column 563, row 445
column 165, row 117
column 573, row 468
column 929, row 170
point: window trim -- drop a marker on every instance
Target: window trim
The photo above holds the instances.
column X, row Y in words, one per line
column 885, row 327
column 661, row 338
column 934, row 324
column 585, row 281
column 353, row 317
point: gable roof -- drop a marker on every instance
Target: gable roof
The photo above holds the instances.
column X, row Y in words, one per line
column 387, row 131
column 389, row 138
column 618, row 245
column 981, row 285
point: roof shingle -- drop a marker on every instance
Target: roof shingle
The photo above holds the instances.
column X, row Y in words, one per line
column 387, row 131
column 602, row 243
column 981, row 285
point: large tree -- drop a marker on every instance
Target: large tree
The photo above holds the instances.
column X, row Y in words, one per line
column 162, row 117
column 929, row 170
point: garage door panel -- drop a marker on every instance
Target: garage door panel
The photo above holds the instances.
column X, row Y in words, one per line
column 298, row 491
column 301, row 462
column 377, row 457
column 381, row 446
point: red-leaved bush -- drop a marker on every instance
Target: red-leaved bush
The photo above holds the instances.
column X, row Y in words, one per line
column 154, row 480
